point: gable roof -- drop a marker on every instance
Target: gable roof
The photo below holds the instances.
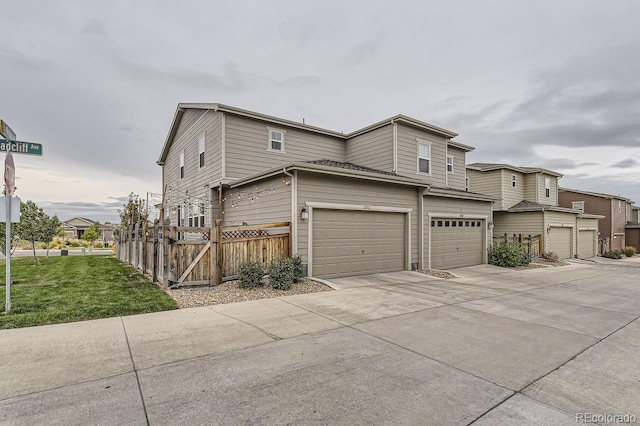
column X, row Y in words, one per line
column 596, row 194
column 527, row 206
column 488, row 167
column 182, row 107
column 83, row 219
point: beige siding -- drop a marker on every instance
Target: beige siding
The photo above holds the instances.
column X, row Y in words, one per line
column 523, row 223
column 552, row 200
column 373, row 149
column 512, row 196
column 587, row 237
column 456, row 179
column 567, row 220
column 246, row 143
column 489, row 183
column 319, row 188
column 452, row 208
column 267, row 207
column 408, row 155
column 531, row 182
column 195, row 178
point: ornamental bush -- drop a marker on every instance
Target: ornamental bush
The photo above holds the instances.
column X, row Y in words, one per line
column 298, row 270
column 282, row 273
column 251, row 274
column 613, row 254
column 629, row 251
column 508, row 254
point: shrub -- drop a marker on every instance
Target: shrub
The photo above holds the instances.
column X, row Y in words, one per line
column 251, row 274
column 98, row 244
column 298, row 270
column 508, row 254
column 282, row 273
column 629, row 251
column 613, row 254
column 552, row 255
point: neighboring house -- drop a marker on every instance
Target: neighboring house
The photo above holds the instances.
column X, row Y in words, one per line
column 388, row 197
column 615, row 209
column 632, row 230
column 76, row 227
column 528, row 205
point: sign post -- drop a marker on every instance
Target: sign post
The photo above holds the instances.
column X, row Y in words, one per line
column 10, row 182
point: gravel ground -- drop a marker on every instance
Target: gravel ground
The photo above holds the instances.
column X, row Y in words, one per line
column 436, row 273
column 230, row 292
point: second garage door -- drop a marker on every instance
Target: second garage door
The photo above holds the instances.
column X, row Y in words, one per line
column 586, row 243
column 560, row 241
column 347, row 242
column 456, row 243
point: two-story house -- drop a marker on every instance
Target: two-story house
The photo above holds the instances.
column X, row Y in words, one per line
column 616, row 212
column 632, row 230
column 390, row 196
column 528, row 206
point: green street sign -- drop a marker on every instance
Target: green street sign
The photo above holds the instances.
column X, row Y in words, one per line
column 17, row 147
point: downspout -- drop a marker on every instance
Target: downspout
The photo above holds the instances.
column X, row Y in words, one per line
column 544, row 232
column 446, row 164
column 294, row 210
column 395, row 146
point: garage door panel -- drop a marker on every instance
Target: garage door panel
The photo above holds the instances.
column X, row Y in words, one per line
column 456, row 243
column 586, row 243
column 560, row 241
column 362, row 242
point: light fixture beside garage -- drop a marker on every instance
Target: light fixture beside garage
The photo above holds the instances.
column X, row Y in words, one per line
column 304, row 214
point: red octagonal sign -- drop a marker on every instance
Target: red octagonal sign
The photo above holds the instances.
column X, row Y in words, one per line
column 9, row 173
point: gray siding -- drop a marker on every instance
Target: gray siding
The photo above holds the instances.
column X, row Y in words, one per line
column 408, row 155
column 319, row 188
column 456, row 179
column 195, row 178
column 246, row 143
column 373, row 149
column 511, row 195
column 268, row 208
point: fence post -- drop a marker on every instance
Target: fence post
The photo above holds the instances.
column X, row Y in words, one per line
column 165, row 254
column 219, row 258
column 144, row 249
column 154, row 267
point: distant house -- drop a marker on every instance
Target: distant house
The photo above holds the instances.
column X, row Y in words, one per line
column 528, row 205
column 615, row 209
column 76, row 227
column 632, row 230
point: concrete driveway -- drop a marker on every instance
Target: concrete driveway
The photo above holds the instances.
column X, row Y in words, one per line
column 543, row 346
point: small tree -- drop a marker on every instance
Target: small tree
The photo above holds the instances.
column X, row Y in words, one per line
column 31, row 225
column 92, row 234
column 50, row 229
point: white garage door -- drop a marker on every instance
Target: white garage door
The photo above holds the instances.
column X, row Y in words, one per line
column 586, row 243
column 456, row 243
column 560, row 241
column 347, row 242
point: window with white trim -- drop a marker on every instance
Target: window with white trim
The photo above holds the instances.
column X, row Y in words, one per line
column 547, row 187
column 578, row 205
column 619, row 206
column 276, row 140
column 466, row 183
column 201, row 152
column 424, row 158
column 196, row 213
column 514, row 179
column 449, row 163
column 182, row 165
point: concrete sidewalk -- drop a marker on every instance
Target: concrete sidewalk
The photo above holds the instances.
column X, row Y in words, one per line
column 494, row 346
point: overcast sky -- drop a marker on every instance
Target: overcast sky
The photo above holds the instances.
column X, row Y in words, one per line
column 554, row 84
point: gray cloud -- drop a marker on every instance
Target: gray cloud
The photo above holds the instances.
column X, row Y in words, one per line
column 629, row 163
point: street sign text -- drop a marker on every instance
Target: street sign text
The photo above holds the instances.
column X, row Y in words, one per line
column 18, row 147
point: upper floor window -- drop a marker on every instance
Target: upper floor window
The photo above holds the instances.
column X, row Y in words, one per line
column 182, row 165
column 578, row 205
column 276, row 140
column 466, row 183
column 619, row 206
column 449, row 163
column 201, row 152
column 547, row 187
column 424, row 157
column 513, row 181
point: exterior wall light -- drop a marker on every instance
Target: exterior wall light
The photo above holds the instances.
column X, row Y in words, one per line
column 304, row 214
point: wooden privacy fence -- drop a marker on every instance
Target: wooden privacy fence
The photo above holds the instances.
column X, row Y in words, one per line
column 530, row 243
column 190, row 256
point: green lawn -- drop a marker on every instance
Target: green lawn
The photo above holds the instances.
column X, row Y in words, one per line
column 76, row 288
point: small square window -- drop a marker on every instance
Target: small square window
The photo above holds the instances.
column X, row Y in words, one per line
column 578, row 205
column 513, row 181
column 478, row 223
column 466, row 223
column 473, row 224
column 460, row 223
column 433, row 223
column 454, row 223
column 449, row 164
column 276, row 140
column 446, row 223
column 440, row 223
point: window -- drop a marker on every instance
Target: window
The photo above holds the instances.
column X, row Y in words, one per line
column 449, row 163
column 619, row 206
column 196, row 213
column 446, row 223
column 182, row 165
column 547, row 187
column 513, row 181
column 440, row 223
column 201, row 151
column 578, row 205
column 276, row 140
column 466, row 184
column 424, row 158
